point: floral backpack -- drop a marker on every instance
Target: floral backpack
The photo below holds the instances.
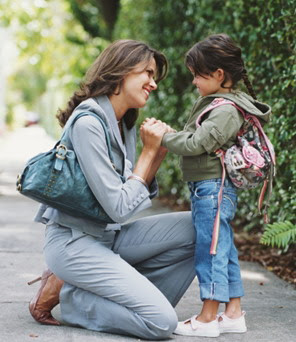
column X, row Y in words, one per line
column 248, row 163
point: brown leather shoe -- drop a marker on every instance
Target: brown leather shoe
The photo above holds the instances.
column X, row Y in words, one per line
column 46, row 298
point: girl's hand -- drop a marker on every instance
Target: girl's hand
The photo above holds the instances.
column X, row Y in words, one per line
column 169, row 129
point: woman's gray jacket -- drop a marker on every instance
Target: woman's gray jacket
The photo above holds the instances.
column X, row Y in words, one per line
column 120, row 200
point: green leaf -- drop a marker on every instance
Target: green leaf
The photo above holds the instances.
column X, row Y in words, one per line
column 279, row 234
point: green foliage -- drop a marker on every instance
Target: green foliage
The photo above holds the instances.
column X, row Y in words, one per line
column 280, row 234
column 97, row 17
column 131, row 23
column 53, row 54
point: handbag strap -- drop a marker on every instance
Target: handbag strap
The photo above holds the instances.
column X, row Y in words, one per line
column 64, row 142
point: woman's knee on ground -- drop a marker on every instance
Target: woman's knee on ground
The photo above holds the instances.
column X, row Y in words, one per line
column 163, row 325
column 188, row 234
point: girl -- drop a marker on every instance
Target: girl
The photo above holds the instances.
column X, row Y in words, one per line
column 122, row 278
column 217, row 66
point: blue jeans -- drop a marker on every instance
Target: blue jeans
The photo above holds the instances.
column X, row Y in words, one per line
column 219, row 275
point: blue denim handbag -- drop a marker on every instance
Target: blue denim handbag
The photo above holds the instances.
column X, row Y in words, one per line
column 55, row 178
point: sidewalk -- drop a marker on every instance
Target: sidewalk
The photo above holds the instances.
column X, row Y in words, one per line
column 270, row 303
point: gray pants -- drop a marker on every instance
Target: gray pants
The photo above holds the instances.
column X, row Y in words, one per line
column 125, row 283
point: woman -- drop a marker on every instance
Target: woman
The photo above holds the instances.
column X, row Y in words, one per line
column 120, row 278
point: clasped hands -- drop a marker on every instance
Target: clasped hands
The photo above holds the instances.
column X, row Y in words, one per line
column 152, row 132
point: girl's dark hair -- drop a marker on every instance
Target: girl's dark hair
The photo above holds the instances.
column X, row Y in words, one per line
column 108, row 71
column 219, row 51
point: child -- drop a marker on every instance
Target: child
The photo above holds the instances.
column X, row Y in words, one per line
column 217, row 66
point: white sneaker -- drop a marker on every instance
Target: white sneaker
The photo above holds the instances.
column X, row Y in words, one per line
column 196, row 328
column 228, row 325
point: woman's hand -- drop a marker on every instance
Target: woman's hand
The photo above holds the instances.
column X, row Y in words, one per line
column 152, row 155
column 151, row 132
column 162, row 151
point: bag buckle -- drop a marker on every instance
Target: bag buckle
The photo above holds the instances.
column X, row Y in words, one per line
column 18, row 183
column 61, row 151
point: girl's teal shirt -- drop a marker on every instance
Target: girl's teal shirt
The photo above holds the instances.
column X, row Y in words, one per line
column 196, row 146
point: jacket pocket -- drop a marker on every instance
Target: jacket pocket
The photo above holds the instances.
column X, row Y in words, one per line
column 214, row 140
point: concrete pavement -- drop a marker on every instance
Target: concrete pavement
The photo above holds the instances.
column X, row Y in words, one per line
column 270, row 303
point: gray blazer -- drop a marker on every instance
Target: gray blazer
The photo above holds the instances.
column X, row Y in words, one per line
column 120, row 200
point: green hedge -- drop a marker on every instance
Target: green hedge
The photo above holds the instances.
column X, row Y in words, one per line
column 267, row 38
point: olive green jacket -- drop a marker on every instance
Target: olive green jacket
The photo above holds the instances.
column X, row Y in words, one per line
column 218, row 130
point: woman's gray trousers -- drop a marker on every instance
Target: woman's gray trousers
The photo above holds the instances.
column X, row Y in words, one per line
column 128, row 282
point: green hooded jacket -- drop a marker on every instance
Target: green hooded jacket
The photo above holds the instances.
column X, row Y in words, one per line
column 218, row 130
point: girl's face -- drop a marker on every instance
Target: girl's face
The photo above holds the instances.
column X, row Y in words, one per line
column 209, row 84
column 138, row 84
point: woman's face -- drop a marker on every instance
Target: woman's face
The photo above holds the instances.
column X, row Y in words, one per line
column 138, row 84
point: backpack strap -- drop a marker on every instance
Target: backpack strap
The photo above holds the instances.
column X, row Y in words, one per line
column 267, row 186
column 214, row 104
column 216, row 228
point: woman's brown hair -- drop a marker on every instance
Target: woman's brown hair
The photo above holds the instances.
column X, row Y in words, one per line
column 215, row 52
column 107, row 72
